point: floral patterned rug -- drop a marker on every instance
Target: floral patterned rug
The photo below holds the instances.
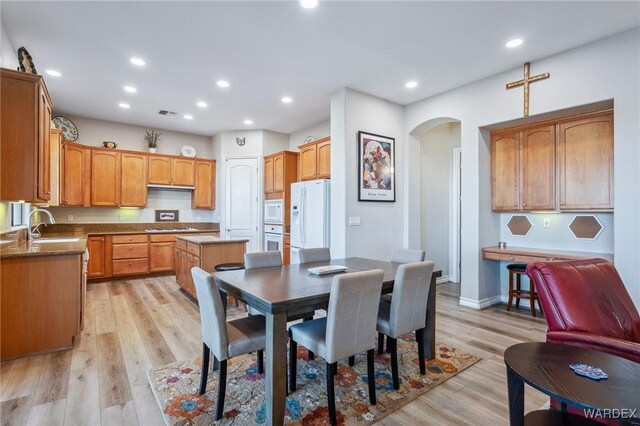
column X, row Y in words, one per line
column 175, row 387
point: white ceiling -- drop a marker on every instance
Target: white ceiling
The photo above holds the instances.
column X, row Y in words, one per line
column 270, row 49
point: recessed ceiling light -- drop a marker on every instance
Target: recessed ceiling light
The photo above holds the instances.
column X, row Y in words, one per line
column 223, row 83
column 287, row 100
column 201, row 104
column 188, row 117
column 309, row 4
column 137, row 61
column 514, row 43
column 248, row 122
column 411, row 84
column 124, row 105
column 130, row 89
column 53, row 73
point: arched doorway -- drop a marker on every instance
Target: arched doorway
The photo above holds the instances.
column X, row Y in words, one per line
column 439, row 192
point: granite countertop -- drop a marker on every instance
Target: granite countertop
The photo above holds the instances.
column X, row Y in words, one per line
column 28, row 248
column 207, row 239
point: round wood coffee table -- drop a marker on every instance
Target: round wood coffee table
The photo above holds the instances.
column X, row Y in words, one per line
column 545, row 367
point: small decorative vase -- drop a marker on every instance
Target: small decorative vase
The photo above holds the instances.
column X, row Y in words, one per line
column 152, row 150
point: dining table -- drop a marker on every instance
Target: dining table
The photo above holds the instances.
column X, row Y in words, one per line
column 288, row 291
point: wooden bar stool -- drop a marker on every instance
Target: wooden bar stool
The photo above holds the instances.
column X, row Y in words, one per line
column 517, row 270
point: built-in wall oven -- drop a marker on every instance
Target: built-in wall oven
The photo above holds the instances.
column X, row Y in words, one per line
column 273, row 238
column 274, row 212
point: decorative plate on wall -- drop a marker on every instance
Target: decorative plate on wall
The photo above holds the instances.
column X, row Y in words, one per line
column 188, row 151
column 69, row 130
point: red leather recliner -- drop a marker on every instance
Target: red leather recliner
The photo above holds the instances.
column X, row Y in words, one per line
column 586, row 305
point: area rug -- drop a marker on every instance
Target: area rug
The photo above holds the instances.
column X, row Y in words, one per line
column 175, row 387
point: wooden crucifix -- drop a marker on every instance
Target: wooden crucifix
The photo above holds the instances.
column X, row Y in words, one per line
column 525, row 82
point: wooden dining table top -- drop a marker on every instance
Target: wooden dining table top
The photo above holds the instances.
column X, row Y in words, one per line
column 288, row 287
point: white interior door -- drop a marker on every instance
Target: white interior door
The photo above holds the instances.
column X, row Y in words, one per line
column 241, row 201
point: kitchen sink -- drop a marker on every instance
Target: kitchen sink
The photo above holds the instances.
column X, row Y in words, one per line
column 55, row 240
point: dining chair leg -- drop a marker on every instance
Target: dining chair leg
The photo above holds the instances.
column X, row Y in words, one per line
column 371, row 378
column 331, row 395
column 421, row 360
column 380, row 343
column 205, row 368
column 260, row 362
column 293, row 355
column 352, row 361
column 392, row 345
column 222, row 386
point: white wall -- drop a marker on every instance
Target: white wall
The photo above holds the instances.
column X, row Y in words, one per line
column 93, row 132
column 8, row 51
column 436, row 172
column 274, row 142
column 381, row 222
column 317, row 131
column 605, row 69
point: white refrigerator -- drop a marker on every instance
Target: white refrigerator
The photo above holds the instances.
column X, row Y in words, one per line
column 309, row 216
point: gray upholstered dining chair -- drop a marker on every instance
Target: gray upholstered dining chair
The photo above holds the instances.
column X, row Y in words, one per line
column 347, row 330
column 224, row 339
column 404, row 256
column 406, row 312
column 320, row 254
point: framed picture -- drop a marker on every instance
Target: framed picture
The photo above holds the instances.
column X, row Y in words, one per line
column 376, row 162
column 167, row 215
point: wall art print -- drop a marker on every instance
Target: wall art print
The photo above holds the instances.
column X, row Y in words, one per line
column 376, row 158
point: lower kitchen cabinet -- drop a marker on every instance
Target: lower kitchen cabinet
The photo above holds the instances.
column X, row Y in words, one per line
column 97, row 256
column 130, row 254
column 161, row 256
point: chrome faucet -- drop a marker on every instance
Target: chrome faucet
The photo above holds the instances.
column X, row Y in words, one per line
column 34, row 232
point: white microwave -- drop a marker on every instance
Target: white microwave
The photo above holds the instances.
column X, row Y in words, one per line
column 274, row 212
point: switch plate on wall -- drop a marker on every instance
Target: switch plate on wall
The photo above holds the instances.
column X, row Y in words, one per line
column 354, row 221
column 546, row 222
column 70, row 217
column 121, row 217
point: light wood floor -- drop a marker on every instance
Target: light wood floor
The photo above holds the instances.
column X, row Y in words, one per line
column 134, row 325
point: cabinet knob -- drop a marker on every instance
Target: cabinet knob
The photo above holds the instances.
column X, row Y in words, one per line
column 524, row 204
column 129, row 263
column 515, row 205
column 562, row 204
column 48, row 193
column 510, row 257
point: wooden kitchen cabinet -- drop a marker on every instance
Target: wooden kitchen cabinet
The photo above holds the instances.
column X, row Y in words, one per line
column 130, row 254
column 308, row 162
column 523, row 169
column 204, row 194
column 105, row 178
column 159, row 170
column 505, row 159
column 286, row 254
column 72, row 173
column 161, row 256
column 585, row 163
column 315, row 159
column 97, row 246
column 280, row 171
column 564, row 164
column 55, row 141
column 133, row 180
column 24, row 137
column 166, row 170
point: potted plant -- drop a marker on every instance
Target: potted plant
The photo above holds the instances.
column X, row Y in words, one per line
column 152, row 140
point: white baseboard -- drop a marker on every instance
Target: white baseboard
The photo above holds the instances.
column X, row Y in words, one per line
column 480, row 304
column 443, row 279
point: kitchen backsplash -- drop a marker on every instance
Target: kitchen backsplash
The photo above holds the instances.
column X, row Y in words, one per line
column 156, row 199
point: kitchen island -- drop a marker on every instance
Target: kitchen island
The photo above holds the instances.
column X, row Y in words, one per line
column 204, row 251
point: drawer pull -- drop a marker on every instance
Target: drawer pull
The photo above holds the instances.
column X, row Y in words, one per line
column 510, row 257
column 130, row 263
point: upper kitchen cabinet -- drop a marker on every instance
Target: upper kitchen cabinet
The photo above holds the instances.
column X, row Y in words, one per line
column 25, row 171
column 564, row 164
column 56, row 139
column 204, row 194
column 585, row 163
column 134, row 180
column 280, row 171
column 73, row 169
column 105, row 178
column 315, row 159
column 165, row 170
column 159, row 170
